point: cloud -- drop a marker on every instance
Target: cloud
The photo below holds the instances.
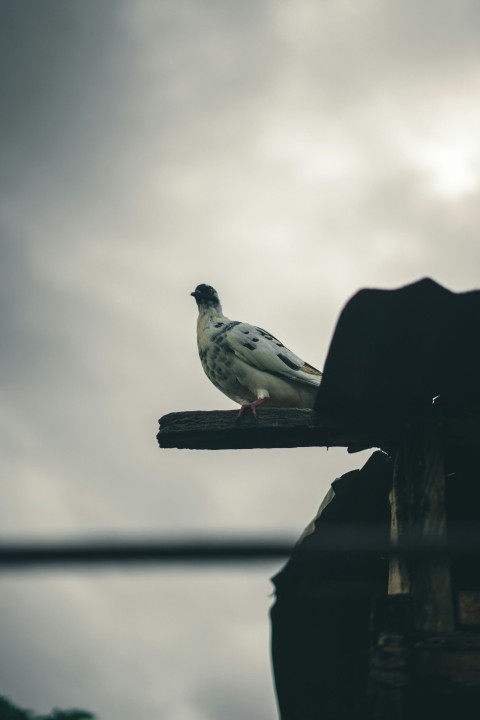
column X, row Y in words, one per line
column 286, row 153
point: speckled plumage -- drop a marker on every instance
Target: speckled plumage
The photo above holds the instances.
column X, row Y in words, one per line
column 248, row 364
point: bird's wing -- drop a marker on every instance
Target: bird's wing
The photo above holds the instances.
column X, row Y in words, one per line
column 262, row 350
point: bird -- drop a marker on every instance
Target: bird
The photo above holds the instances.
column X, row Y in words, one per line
column 248, row 364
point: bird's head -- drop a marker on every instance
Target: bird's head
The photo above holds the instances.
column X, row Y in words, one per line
column 206, row 297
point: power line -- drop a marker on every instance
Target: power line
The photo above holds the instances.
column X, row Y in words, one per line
column 333, row 541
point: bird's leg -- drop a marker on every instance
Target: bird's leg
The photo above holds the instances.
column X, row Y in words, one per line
column 253, row 405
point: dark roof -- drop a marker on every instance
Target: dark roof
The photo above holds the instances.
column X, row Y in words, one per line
column 395, row 350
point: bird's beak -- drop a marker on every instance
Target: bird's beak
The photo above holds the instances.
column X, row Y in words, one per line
column 195, row 294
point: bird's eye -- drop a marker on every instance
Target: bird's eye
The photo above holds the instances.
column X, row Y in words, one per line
column 210, row 291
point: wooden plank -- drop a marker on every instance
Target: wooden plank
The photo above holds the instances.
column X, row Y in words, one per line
column 433, row 583
column 398, row 573
column 290, row 427
column 420, row 518
column 469, row 608
column 275, row 428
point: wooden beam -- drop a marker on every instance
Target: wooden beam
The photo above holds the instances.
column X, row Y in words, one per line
column 224, row 430
column 419, row 516
column 275, row 428
column 432, row 592
column 399, row 582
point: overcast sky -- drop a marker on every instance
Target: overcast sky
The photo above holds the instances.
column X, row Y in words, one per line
column 288, row 153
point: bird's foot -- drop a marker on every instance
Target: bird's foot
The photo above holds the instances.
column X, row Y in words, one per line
column 253, row 405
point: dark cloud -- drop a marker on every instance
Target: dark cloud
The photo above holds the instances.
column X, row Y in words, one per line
column 60, row 75
column 288, row 154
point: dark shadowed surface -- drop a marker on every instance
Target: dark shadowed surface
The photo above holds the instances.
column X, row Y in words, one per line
column 412, row 345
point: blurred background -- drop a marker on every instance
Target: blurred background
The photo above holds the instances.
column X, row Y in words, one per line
column 289, row 153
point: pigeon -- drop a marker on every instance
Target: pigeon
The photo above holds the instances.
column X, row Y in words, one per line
column 248, row 364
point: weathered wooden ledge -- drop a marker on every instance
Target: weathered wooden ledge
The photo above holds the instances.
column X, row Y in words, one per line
column 275, row 428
